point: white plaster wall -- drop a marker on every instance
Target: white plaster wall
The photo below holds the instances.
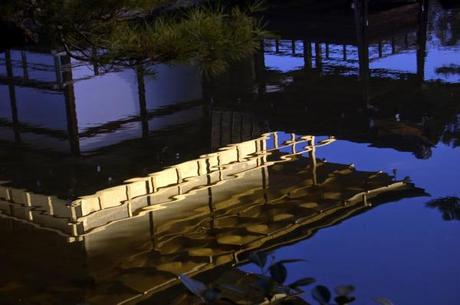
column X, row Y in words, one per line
column 40, row 108
column 106, row 98
column 172, row 84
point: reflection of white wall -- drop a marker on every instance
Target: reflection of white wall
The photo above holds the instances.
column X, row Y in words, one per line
column 40, row 66
column 17, row 69
column 81, row 70
column 172, row 84
column 5, row 106
column 40, row 108
column 129, row 131
column 442, row 58
column 177, row 118
column 405, row 62
column 106, row 98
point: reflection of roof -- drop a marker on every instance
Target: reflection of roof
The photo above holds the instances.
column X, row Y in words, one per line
column 339, row 26
column 201, row 214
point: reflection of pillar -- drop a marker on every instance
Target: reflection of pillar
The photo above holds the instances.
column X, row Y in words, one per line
column 25, row 71
column 362, row 24
column 69, row 94
column 259, row 69
column 312, row 155
column 318, row 61
column 94, row 61
column 142, row 100
column 210, row 195
column 421, row 40
column 58, row 69
column 380, row 49
column 12, row 94
column 307, row 54
column 263, row 161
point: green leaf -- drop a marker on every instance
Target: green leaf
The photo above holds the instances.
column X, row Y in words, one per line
column 258, row 258
column 302, row 282
column 278, row 272
column 194, row 286
column 321, row 294
column 382, row 301
column 344, row 290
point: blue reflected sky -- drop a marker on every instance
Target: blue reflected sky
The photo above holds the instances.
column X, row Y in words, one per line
column 403, row 250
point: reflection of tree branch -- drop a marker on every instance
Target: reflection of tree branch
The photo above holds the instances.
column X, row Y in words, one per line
column 449, row 207
column 446, row 70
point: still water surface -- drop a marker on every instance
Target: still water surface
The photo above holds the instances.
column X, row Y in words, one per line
column 114, row 185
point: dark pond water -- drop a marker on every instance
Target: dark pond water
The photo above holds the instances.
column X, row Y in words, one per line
column 335, row 144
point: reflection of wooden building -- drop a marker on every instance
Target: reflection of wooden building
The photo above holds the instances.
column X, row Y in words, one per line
column 359, row 31
column 333, row 72
column 131, row 241
column 54, row 102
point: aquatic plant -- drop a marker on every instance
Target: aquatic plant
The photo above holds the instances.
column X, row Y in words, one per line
column 270, row 284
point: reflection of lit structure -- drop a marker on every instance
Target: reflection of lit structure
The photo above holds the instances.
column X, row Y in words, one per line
column 77, row 218
column 52, row 101
column 197, row 215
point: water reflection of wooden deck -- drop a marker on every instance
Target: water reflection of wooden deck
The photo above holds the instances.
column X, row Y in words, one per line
column 201, row 214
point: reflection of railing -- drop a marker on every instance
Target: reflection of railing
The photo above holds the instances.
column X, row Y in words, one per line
column 341, row 52
column 77, row 218
column 204, row 213
column 316, row 54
